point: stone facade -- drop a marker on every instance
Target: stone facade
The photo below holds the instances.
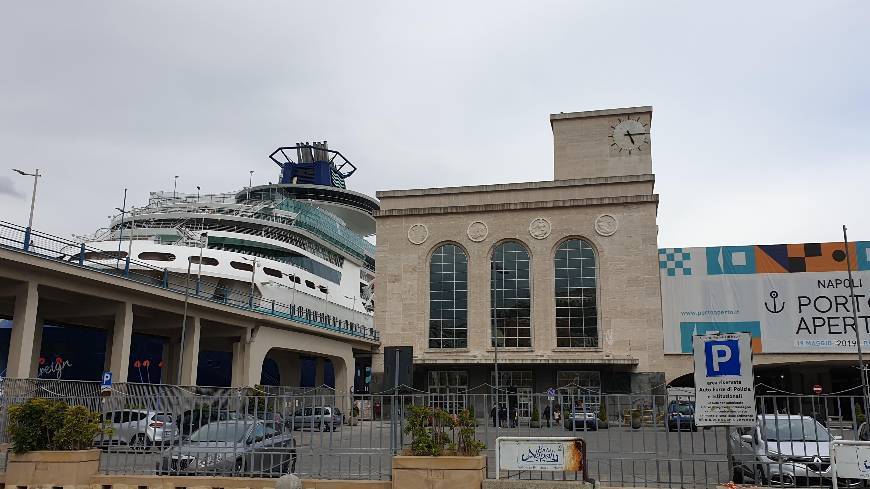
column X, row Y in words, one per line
column 610, row 203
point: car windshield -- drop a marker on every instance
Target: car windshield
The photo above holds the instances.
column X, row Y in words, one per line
column 230, row 432
column 682, row 409
column 793, row 429
column 166, row 418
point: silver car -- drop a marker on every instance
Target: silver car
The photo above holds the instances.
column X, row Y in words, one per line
column 784, row 450
column 243, row 447
column 322, row 418
column 139, row 428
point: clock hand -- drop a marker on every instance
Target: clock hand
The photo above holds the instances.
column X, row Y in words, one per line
column 635, row 133
column 629, row 136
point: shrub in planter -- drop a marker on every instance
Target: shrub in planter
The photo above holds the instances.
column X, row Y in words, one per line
column 535, row 421
column 429, row 432
column 47, row 424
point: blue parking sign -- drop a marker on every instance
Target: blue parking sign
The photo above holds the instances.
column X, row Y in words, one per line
column 722, row 357
column 106, row 384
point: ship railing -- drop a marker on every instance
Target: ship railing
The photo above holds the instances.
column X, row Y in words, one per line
column 117, row 263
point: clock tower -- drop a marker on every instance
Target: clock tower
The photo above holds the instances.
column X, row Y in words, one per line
column 602, row 143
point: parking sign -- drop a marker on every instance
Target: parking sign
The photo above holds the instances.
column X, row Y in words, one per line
column 724, row 388
column 106, row 384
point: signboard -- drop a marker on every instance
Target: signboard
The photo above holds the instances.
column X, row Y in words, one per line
column 559, row 454
column 551, row 394
column 850, row 459
column 792, row 298
column 724, row 390
column 817, row 389
column 106, row 384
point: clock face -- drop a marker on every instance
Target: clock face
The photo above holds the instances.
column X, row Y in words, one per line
column 629, row 136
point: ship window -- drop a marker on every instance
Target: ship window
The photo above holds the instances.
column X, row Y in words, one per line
column 105, row 255
column 206, row 260
column 309, row 284
column 241, row 266
column 297, row 280
column 323, row 289
column 272, row 272
column 156, row 256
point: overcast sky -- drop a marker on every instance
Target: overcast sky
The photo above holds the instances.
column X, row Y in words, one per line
column 761, row 130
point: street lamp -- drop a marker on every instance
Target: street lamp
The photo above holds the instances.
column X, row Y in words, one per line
column 130, row 243
column 354, row 307
column 27, row 232
column 253, row 271
column 497, row 272
column 250, row 183
column 202, row 245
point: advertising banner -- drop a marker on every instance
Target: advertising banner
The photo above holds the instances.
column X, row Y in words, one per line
column 724, row 384
column 791, row 298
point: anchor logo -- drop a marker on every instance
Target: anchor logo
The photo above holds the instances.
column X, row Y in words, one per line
column 772, row 308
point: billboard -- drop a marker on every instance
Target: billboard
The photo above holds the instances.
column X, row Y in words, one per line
column 791, row 298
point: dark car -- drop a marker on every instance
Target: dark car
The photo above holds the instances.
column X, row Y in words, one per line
column 681, row 416
column 235, row 448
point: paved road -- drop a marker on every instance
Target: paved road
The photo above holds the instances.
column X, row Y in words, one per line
column 648, row 456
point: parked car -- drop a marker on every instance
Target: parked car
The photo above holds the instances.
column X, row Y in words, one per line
column 785, row 450
column 581, row 419
column 139, row 428
column 681, row 416
column 242, row 447
column 321, row 418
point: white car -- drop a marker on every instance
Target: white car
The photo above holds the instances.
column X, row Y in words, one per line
column 139, row 428
column 784, row 450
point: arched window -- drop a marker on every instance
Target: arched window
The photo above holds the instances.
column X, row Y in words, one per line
column 576, row 301
column 511, row 296
column 448, row 298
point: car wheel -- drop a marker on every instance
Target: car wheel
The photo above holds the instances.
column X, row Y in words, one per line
column 139, row 442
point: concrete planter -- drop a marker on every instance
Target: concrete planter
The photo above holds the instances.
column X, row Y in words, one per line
column 52, row 468
column 439, row 472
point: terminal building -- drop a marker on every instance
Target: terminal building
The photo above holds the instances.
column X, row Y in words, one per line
column 559, row 279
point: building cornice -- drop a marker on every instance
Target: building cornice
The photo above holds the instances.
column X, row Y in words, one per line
column 504, row 187
column 514, row 206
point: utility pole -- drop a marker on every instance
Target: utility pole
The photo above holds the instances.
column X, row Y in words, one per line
column 864, row 385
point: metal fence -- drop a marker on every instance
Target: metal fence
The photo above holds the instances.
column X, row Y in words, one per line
column 632, row 440
column 118, row 264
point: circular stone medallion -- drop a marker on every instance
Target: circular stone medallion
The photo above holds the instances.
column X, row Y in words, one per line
column 606, row 225
column 540, row 228
column 418, row 233
column 477, row 231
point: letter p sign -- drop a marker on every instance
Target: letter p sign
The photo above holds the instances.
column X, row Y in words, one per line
column 722, row 358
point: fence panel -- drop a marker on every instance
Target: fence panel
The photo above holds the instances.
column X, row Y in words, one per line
column 632, row 440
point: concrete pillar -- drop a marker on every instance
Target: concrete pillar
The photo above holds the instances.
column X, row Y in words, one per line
column 171, row 351
column 122, row 332
column 191, row 352
column 318, row 372
column 241, row 375
column 37, row 346
column 288, row 366
column 344, row 369
column 23, row 332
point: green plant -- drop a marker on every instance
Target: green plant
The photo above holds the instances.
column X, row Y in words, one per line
column 429, row 432
column 46, row 424
column 859, row 414
column 602, row 412
column 536, row 416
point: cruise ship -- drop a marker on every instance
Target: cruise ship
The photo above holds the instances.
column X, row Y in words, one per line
column 296, row 247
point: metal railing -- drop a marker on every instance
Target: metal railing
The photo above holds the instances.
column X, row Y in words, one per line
column 632, row 440
column 118, row 264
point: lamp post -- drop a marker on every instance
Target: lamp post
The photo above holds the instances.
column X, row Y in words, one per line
column 497, row 272
column 184, row 318
column 354, row 307
column 123, row 210
column 197, row 193
column 250, row 183
column 27, row 232
column 253, row 271
column 202, row 245
column 130, row 243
